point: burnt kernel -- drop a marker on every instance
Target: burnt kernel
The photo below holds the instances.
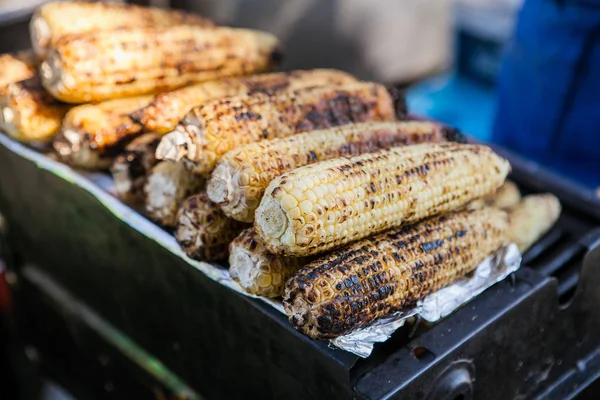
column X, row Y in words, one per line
column 460, row 233
column 354, row 278
column 431, row 246
column 339, row 286
column 348, row 283
column 324, row 322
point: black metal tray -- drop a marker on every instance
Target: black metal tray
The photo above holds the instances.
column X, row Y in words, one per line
column 538, row 334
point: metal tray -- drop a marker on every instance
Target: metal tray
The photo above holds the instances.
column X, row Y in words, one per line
column 537, row 335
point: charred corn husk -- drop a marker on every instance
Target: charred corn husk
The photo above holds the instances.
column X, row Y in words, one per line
column 92, row 134
column 15, row 67
column 211, row 130
column 357, row 284
column 256, row 269
column 203, row 231
column 167, row 109
column 108, row 65
column 242, row 175
column 531, row 218
column 325, row 205
column 28, row 113
column 131, row 168
column 53, row 20
column 168, row 185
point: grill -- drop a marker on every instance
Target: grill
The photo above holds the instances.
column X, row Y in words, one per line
column 534, row 335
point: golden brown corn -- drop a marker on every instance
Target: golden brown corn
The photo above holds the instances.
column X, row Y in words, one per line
column 28, row 113
column 131, row 168
column 506, row 196
column 54, row 20
column 240, row 178
column 15, row 67
column 203, row 231
column 168, row 185
column 167, row 109
column 92, row 134
column 211, row 130
column 325, row 205
column 532, row 218
column 257, row 270
column 108, row 65
column 353, row 286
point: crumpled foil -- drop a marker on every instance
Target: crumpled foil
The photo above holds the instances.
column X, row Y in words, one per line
column 432, row 308
column 437, row 305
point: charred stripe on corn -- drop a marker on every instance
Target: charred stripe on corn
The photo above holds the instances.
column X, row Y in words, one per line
column 242, row 175
column 167, row 109
column 256, row 269
column 211, row 130
column 168, row 185
column 131, row 168
column 203, row 231
column 107, row 65
column 353, row 286
column 325, row 205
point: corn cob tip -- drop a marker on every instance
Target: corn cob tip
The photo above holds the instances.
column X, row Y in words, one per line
column 219, row 188
column 175, row 145
column 399, row 99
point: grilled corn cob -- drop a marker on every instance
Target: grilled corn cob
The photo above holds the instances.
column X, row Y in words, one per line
column 28, row 113
column 211, row 130
column 331, row 203
column 53, row 20
column 257, row 270
column 167, row 109
column 107, row 65
column 168, row 185
column 16, row 67
column 242, row 175
column 130, row 169
column 531, row 218
column 203, row 231
column 506, row 196
column 92, row 134
column 357, row 284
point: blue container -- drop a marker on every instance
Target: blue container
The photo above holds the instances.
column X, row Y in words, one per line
column 549, row 88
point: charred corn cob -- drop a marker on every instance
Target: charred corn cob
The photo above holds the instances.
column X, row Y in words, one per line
column 257, row 270
column 531, row 218
column 16, row 67
column 325, row 205
column 242, row 175
column 168, row 185
column 203, row 231
column 167, row 109
column 357, row 284
column 506, row 196
column 211, row 130
column 131, row 168
column 107, row 65
column 54, row 20
column 29, row 113
column 92, row 134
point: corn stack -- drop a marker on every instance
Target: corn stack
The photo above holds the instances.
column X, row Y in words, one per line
column 203, row 231
column 112, row 64
column 353, row 286
column 211, row 130
column 54, row 20
column 256, row 269
column 28, row 113
column 240, row 178
column 131, row 168
column 167, row 185
column 167, row 109
column 92, row 134
column 328, row 204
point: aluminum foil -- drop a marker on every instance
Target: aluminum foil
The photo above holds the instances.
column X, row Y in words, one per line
column 435, row 306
